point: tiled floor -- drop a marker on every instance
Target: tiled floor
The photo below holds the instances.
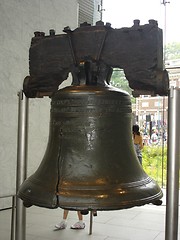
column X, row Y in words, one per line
column 138, row 223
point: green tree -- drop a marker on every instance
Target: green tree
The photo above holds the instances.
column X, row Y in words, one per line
column 119, row 80
column 172, row 51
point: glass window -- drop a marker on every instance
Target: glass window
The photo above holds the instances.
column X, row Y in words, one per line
column 145, row 104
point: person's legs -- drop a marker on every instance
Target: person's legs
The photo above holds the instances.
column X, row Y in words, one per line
column 80, row 216
column 63, row 223
column 80, row 224
column 94, row 213
column 140, row 159
column 65, row 214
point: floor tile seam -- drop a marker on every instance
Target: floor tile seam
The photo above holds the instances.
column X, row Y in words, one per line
column 109, row 237
column 153, row 220
column 130, row 222
column 138, row 213
column 107, row 220
column 158, row 235
column 135, row 227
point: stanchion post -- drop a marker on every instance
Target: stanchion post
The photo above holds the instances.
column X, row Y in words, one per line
column 172, row 198
column 13, row 215
column 20, row 228
column 91, row 222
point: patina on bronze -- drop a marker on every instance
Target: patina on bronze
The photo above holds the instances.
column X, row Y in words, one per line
column 137, row 50
column 90, row 162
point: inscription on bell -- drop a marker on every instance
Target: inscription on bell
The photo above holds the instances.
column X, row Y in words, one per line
column 90, row 110
column 78, row 102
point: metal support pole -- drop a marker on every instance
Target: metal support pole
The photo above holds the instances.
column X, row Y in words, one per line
column 91, row 222
column 20, row 231
column 13, row 218
column 172, row 198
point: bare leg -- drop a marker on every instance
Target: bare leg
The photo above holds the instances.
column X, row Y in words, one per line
column 65, row 214
column 80, row 216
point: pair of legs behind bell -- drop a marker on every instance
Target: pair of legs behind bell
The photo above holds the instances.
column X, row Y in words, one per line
column 63, row 224
column 78, row 225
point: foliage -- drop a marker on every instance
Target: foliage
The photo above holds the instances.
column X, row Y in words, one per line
column 172, row 51
column 119, row 80
column 155, row 163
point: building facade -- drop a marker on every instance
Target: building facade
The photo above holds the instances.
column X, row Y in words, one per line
column 89, row 11
column 152, row 112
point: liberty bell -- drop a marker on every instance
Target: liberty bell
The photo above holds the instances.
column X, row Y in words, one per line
column 90, row 162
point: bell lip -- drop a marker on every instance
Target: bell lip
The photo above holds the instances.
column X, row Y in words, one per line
column 78, row 206
column 147, row 191
column 39, row 198
column 33, row 201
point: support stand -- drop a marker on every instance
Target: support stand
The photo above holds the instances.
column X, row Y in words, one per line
column 91, row 222
column 172, row 199
column 13, row 218
column 20, row 228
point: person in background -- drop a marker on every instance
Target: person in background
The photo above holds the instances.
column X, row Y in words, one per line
column 154, row 138
column 138, row 142
column 63, row 224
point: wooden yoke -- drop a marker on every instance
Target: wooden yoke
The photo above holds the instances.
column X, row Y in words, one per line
column 137, row 50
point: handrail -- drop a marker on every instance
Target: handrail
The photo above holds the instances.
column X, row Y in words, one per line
column 6, row 196
column 12, row 237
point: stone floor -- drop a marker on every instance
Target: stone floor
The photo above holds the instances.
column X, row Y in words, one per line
column 138, row 223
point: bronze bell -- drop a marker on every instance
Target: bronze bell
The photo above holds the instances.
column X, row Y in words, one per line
column 90, row 162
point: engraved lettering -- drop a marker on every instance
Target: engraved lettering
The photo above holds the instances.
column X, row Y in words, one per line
column 82, row 102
